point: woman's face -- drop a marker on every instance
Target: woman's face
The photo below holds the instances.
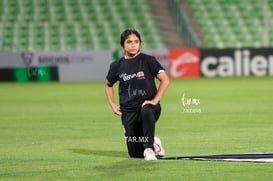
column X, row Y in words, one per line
column 131, row 45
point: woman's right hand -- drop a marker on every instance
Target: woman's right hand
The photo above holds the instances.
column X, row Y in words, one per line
column 116, row 109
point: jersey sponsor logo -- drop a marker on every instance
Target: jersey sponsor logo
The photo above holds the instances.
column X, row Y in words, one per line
column 139, row 75
column 246, row 62
column 184, row 63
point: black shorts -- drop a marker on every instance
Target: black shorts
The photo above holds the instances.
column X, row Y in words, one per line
column 139, row 128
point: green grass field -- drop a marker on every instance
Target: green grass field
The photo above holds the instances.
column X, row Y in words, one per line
column 67, row 131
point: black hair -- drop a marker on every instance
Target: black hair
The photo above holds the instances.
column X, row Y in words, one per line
column 124, row 35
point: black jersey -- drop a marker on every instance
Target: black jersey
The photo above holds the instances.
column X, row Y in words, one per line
column 136, row 78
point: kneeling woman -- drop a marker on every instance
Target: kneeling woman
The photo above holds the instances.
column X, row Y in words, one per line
column 138, row 96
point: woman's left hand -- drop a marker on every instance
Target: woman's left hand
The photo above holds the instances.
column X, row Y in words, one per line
column 148, row 102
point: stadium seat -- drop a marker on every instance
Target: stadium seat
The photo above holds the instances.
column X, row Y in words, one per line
column 83, row 24
column 8, row 32
column 244, row 22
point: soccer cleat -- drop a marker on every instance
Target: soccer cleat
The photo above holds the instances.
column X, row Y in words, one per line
column 158, row 148
column 149, row 154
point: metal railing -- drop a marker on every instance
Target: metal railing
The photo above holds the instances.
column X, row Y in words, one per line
column 183, row 26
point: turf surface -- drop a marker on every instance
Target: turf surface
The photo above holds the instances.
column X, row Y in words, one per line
column 66, row 131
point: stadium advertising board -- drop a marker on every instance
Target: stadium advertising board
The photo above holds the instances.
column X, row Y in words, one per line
column 220, row 63
column 10, row 60
column 184, row 63
column 93, row 65
column 236, row 62
column 68, row 65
